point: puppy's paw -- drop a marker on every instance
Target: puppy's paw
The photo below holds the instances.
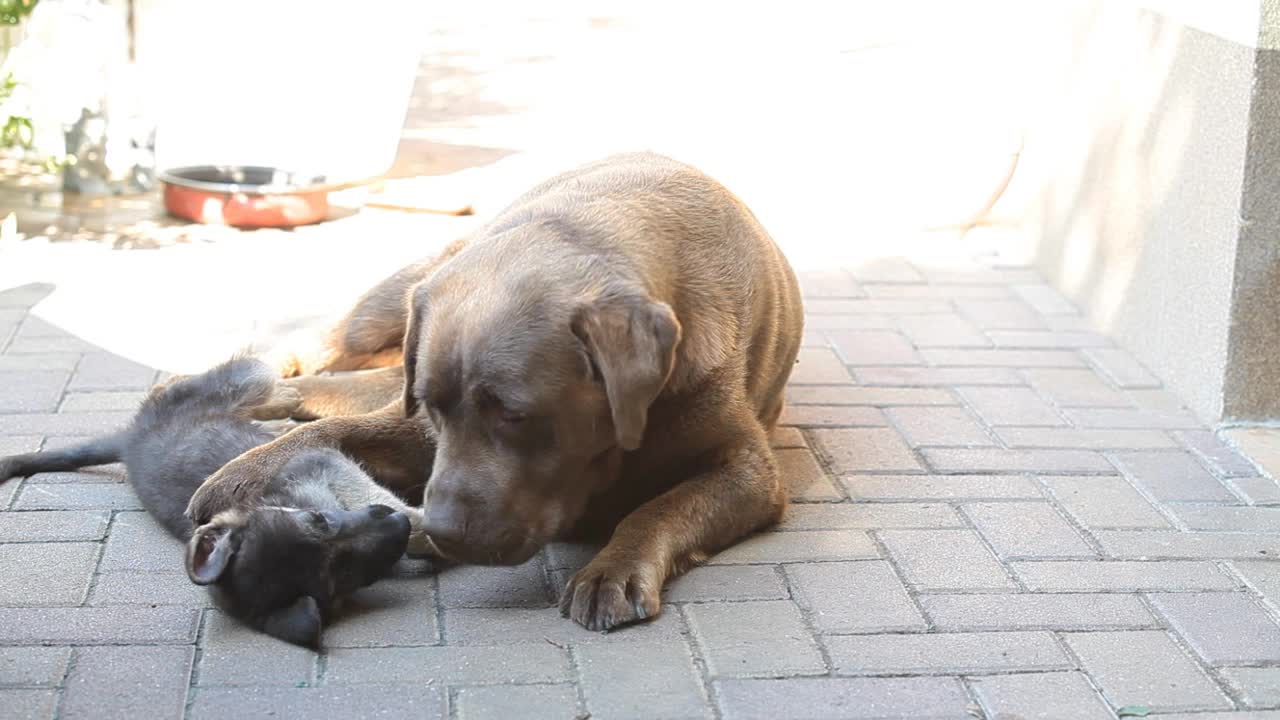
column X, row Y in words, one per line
column 606, row 595
column 284, row 402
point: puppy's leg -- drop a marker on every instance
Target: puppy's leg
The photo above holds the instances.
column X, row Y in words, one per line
column 371, row 333
column 354, row 393
column 675, row 531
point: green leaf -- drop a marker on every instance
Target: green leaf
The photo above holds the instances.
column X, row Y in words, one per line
column 1134, row 711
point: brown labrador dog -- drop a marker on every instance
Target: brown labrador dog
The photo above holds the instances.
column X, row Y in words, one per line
column 608, row 354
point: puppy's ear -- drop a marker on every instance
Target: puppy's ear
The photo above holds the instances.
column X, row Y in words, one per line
column 632, row 340
column 210, row 550
column 299, row 623
column 417, row 300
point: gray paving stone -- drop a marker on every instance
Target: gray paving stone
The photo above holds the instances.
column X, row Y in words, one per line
column 876, row 306
column 1222, row 628
column 1127, row 418
column 35, row 361
column 865, row 450
column 1264, row 577
column 1075, row 388
column 1104, row 502
column 31, row 390
column 998, row 357
column 863, row 321
column 754, row 639
column 33, row 666
column 1044, row 299
column 803, row 478
column 945, row 653
column 1143, row 544
column 29, row 704
column 727, row 582
column 417, row 701
column 113, row 474
column 49, row 346
column 103, row 371
column 102, row 401
column 819, row 366
column 669, row 687
column 842, row 698
column 1000, row 612
column 1121, row 576
column 86, row 423
column 1027, row 530
column 1031, row 339
column 923, row 488
column 16, row 444
column 939, row 426
column 1257, row 687
column 1172, row 477
column 1092, row 439
column 807, row 416
column 46, row 573
column 552, row 702
column 88, row 625
column 869, row 516
column 937, row 292
column 516, row 662
column 1040, row 696
column 850, row 597
column 943, row 330
column 130, row 587
column 828, row 284
column 1120, row 368
column 1122, row 664
column 504, row 626
column 886, row 270
column 798, row 546
column 128, row 682
column 234, row 654
column 8, row 490
column 1223, row 459
column 873, row 347
column 477, row 586
column 1010, row 406
column 137, row 542
column 945, row 560
column 1156, row 400
column 392, row 611
column 937, row 377
column 573, row 556
column 1257, row 490
column 995, row 460
column 1000, row 314
column 1224, row 715
column 1228, row 518
column 871, row 396
column 52, row 525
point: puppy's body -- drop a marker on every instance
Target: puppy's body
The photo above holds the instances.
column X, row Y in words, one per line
column 609, row 352
column 279, row 562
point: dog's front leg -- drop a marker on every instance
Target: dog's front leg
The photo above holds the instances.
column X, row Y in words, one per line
column 675, row 531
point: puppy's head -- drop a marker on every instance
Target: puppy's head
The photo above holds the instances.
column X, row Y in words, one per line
column 283, row 570
column 534, row 392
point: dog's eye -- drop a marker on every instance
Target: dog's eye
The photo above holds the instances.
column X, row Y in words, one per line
column 318, row 520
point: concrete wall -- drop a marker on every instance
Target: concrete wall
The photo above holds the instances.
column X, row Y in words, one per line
column 1136, row 157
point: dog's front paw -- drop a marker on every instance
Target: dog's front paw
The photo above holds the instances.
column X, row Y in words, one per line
column 283, row 404
column 605, row 595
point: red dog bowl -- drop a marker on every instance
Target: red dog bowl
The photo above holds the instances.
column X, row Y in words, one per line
column 246, row 196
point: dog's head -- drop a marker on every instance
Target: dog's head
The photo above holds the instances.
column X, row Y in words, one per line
column 534, row 391
column 283, row 570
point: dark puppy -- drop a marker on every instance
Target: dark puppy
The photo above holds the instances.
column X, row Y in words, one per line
column 323, row 529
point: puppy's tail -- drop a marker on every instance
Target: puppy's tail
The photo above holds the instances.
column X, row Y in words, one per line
column 99, row 451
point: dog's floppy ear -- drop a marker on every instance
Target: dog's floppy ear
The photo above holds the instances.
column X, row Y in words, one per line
column 417, row 300
column 209, row 551
column 299, row 623
column 632, row 340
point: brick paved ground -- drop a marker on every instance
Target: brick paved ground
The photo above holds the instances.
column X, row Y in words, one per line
column 997, row 514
